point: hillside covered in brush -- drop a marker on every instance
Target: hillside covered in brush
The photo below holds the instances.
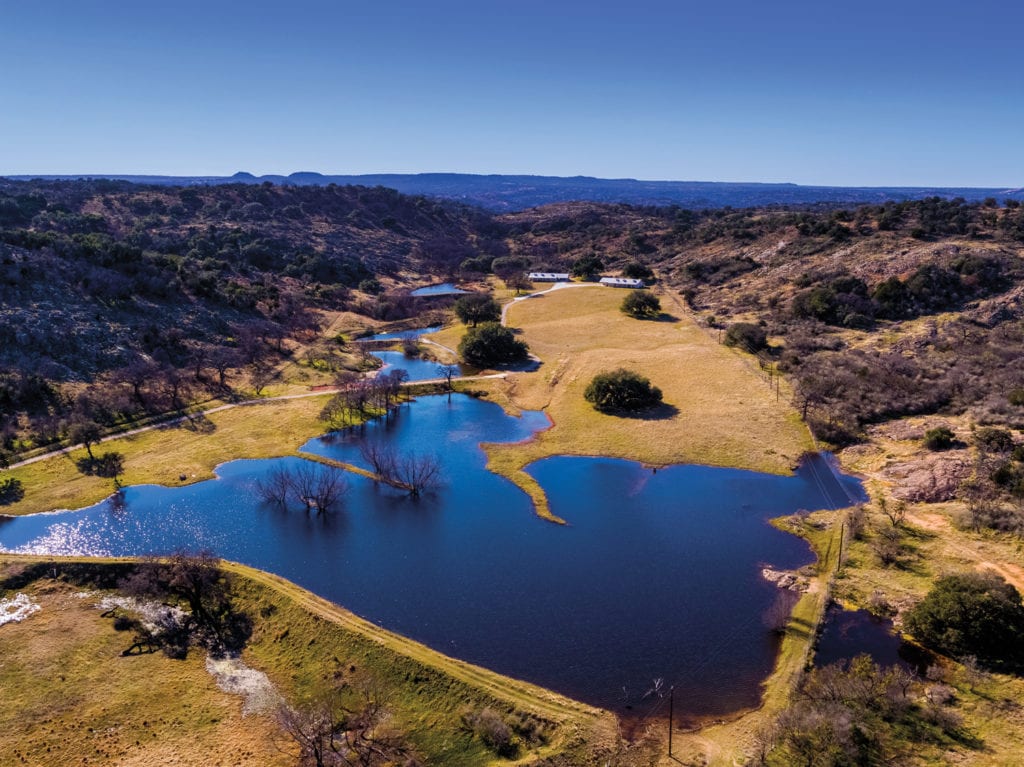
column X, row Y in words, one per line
column 874, row 312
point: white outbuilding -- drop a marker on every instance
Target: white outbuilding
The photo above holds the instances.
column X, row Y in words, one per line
column 548, row 277
column 622, row 282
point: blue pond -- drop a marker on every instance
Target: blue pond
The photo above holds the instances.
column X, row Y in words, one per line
column 444, row 289
column 402, row 334
column 418, row 369
column 656, row 576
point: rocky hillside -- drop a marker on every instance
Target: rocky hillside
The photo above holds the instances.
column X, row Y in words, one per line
column 873, row 312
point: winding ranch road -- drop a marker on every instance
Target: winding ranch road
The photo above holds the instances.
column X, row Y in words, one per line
column 247, row 403
column 556, row 286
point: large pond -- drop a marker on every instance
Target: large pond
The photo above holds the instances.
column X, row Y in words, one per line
column 656, row 576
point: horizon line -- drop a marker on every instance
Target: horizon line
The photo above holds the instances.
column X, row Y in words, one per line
column 128, row 175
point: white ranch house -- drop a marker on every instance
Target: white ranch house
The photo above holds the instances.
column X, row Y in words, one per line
column 622, row 282
column 548, row 277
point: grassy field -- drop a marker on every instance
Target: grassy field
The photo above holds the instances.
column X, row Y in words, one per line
column 71, row 698
column 717, row 411
column 162, row 456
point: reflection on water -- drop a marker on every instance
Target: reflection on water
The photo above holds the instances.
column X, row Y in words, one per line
column 418, row 369
column 656, row 576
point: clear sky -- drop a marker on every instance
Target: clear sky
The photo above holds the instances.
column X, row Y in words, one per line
column 893, row 92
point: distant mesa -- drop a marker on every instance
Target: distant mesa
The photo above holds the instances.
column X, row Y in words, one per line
column 506, row 193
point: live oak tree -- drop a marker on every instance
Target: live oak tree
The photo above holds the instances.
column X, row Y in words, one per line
column 491, row 344
column 641, row 304
column 971, row 614
column 476, row 308
column 621, row 391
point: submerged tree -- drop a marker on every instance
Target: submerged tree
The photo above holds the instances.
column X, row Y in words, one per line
column 413, row 473
column 313, row 485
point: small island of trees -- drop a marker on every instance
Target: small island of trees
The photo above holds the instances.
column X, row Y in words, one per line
column 622, row 391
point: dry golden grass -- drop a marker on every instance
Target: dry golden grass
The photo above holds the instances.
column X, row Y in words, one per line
column 70, row 698
column 161, row 456
column 718, row 410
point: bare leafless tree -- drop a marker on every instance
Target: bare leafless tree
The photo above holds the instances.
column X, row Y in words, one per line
column 381, row 457
column 448, row 372
column 222, row 359
column 329, row 488
column 260, row 376
column 419, row 473
column 275, row 487
column 343, row 727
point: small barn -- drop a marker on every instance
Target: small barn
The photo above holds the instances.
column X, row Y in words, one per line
column 548, row 277
column 622, row 282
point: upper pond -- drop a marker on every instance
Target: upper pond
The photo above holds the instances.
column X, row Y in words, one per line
column 656, row 576
column 417, row 368
column 444, row 289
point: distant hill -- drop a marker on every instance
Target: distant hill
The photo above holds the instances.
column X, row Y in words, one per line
column 512, row 193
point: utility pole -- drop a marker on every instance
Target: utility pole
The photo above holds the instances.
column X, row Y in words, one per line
column 671, row 700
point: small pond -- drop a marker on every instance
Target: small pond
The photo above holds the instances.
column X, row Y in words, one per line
column 444, row 289
column 656, row 576
column 400, row 335
column 846, row 634
column 418, row 369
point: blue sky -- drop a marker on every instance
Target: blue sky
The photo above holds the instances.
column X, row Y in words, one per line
column 869, row 93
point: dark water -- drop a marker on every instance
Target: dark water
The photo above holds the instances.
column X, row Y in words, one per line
column 657, row 576
column 444, row 289
column 418, row 369
column 849, row 633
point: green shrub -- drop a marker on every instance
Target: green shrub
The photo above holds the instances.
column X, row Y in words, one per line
column 747, row 336
column 971, row 614
column 491, row 344
column 994, row 440
column 641, row 304
column 476, row 308
column 940, row 438
column 11, row 491
column 637, row 271
column 621, row 391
